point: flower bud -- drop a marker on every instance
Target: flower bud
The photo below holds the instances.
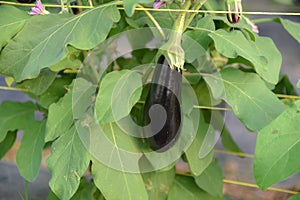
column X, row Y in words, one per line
column 234, row 8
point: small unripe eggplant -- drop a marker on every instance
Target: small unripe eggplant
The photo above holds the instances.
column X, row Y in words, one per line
column 75, row 10
column 164, row 95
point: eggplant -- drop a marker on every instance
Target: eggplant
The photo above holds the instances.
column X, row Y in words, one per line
column 75, row 11
column 162, row 109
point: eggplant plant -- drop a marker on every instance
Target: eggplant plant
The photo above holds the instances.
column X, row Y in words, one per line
column 130, row 91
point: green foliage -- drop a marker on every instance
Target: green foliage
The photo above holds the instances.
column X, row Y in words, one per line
column 92, row 102
column 29, row 155
column 276, row 154
column 238, row 89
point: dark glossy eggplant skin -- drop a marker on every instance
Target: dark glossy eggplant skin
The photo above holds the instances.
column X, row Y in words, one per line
column 165, row 90
column 26, row 1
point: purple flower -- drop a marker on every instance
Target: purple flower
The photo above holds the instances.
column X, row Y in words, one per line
column 38, row 9
column 157, row 4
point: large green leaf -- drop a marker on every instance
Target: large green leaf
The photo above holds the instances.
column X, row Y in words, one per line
column 119, row 91
column 262, row 52
column 255, row 107
column 116, row 184
column 291, row 27
column 277, row 148
column 158, row 183
column 29, row 155
column 67, row 163
column 185, row 188
column 15, row 116
column 7, row 143
column 211, row 180
column 38, row 47
column 11, row 22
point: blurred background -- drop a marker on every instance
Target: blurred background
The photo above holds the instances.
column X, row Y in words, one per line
column 234, row 168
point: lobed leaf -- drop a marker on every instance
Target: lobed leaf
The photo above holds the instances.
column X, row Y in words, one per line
column 262, row 52
column 240, row 91
column 277, row 149
column 25, row 56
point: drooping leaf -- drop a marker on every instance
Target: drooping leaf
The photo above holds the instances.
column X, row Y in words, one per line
column 211, row 180
column 68, row 161
column 262, row 52
column 158, row 183
column 185, row 188
column 7, row 143
column 277, row 148
column 29, row 155
column 40, row 84
column 119, row 91
column 239, row 90
column 116, row 184
column 292, row 28
column 15, row 116
column 25, row 56
column 11, row 22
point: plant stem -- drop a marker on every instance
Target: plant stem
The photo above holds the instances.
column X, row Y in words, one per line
column 26, row 190
column 13, row 89
column 196, row 6
column 156, row 24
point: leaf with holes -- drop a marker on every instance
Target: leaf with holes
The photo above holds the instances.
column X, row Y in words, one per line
column 25, row 56
column 277, row 149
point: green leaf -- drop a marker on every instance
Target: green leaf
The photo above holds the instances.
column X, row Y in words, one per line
column 7, row 143
column 204, row 26
column 262, row 53
column 184, row 187
column 277, row 148
column 228, row 142
column 72, row 61
column 119, row 91
column 68, row 161
column 9, row 81
column 129, row 5
column 158, row 183
column 86, row 190
column 15, row 116
column 55, row 91
column 198, row 165
column 292, row 28
column 51, row 37
column 117, row 184
column 298, row 84
column 29, row 155
column 211, row 180
column 60, row 117
column 12, row 20
column 295, row 197
column 240, row 90
column 40, row 84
